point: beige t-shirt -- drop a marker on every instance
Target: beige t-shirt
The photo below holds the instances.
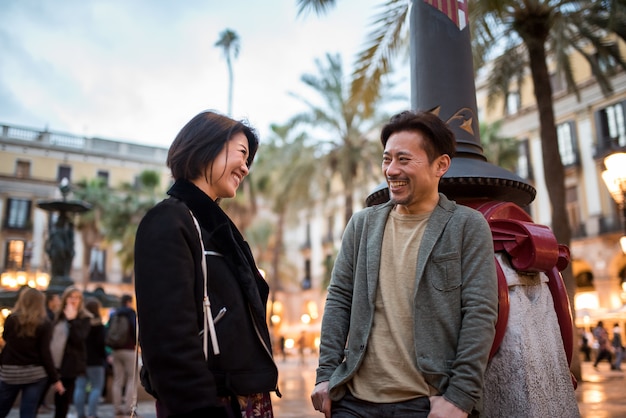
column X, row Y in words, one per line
column 389, row 372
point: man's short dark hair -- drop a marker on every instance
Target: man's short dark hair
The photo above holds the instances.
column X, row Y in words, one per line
column 439, row 139
column 126, row 299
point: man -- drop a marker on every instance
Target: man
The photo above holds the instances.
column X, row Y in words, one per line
column 124, row 361
column 604, row 347
column 618, row 348
column 412, row 303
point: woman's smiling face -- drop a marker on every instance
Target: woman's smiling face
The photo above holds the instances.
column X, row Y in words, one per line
column 227, row 171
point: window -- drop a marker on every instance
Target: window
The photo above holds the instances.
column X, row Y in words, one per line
column 558, row 83
column 607, row 63
column 18, row 213
column 64, row 171
column 610, row 127
column 22, row 169
column 104, row 175
column 513, row 103
column 573, row 210
column 584, row 279
column 567, row 143
column 523, row 160
column 14, row 254
column 97, row 265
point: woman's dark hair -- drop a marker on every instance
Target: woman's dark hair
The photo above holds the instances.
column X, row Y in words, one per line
column 200, row 141
column 439, row 139
column 93, row 305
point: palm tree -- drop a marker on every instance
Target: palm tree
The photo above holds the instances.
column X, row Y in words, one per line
column 388, row 38
column 348, row 152
column 230, row 44
column 531, row 34
column 128, row 206
column 284, row 174
column 501, row 151
column 528, row 31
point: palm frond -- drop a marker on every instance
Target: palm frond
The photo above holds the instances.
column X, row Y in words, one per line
column 382, row 45
column 319, row 7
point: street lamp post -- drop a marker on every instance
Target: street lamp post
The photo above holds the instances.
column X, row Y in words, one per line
column 615, row 179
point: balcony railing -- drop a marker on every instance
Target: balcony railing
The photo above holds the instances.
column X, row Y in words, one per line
column 60, row 140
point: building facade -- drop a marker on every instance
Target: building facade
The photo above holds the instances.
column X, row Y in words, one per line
column 32, row 165
column 590, row 126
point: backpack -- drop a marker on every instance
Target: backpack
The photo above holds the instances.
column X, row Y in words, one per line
column 118, row 334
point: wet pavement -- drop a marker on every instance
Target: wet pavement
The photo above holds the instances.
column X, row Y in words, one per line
column 601, row 394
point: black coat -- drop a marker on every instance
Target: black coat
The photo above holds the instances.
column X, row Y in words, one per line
column 168, row 284
column 94, row 344
column 32, row 350
column 74, row 361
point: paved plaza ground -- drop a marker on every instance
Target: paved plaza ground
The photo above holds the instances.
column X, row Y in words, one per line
column 601, row 394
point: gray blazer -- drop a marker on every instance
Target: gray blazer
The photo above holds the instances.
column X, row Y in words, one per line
column 456, row 301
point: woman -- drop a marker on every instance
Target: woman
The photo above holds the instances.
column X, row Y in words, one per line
column 26, row 363
column 209, row 159
column 71, row 326
column 96, row 362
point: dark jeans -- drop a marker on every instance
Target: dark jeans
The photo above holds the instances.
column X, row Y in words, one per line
column 62, row 402
column 351, row 407
column 603, row 354
column 29, row 402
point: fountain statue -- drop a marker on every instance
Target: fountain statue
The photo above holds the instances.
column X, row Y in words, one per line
column 60, row 243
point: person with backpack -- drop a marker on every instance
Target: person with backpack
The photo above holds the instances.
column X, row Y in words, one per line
column 121, row 339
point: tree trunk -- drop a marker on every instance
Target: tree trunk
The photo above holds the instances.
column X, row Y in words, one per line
column 554, row 173
column 230, row 84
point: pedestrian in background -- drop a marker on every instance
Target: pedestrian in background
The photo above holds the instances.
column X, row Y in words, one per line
column 96, row 362
column 53, row 304
column 71, row 327
column 25, row 362
column 618, row 348
column 604, row 347
column 585, row 347
column 123, row 359
column 191, row 370
column 412, row 303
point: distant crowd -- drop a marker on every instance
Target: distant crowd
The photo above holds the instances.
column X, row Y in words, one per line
column 606, row 346
column 60, row 344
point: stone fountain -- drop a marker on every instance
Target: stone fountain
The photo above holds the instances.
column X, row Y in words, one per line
column 60, row 242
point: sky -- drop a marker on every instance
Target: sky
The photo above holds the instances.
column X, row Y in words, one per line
column 138, row 70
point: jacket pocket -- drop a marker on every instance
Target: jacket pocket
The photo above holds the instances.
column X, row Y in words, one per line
column 446, row 269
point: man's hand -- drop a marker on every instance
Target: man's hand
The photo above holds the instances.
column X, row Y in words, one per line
column 441, row 408
column 321, row 398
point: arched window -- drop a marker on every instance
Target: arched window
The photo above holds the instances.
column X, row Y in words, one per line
column 584, row 280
